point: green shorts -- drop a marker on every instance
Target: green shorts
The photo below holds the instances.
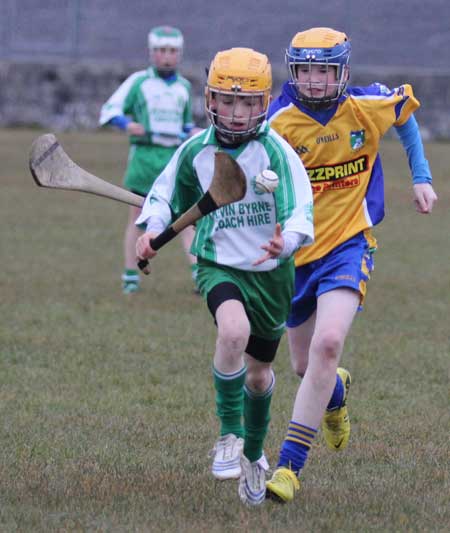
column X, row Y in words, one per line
column 145, row 164
column 267, row 295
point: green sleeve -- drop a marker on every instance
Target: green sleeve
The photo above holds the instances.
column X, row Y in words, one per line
column 187, row 115
column 129, row 106
column 187, row 190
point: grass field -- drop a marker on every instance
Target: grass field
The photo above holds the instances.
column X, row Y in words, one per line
column 106, row 401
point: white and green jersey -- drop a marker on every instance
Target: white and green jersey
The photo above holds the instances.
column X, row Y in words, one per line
column 163, row 107
column 233, row 234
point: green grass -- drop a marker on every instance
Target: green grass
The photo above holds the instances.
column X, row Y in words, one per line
column 106, row 401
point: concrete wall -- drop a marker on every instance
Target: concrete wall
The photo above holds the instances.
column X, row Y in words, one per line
column 60, row 95
column 61, row 59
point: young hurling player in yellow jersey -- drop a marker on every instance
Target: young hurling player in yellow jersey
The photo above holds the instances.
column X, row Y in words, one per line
column 336, row 131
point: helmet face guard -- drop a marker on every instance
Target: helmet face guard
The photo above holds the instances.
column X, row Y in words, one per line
column 236, row 76
column 256, row 102
column 324, row 47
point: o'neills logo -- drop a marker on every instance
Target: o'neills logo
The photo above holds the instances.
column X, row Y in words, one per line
column 327, row 138
column 336, row 172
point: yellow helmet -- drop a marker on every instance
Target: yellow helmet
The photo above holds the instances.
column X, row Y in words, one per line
column 239, row 72
column 318, row 38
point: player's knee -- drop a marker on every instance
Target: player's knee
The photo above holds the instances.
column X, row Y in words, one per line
column 259, row 379
column 233, row 337
column 329, row 344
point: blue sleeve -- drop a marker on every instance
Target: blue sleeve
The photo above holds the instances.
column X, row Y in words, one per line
column 187, row 128
column 120, row 121
column 412, row 142
column 274, row 107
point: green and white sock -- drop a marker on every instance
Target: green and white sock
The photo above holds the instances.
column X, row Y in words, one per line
column 194, row 271
column 130, row 276
column 130, row 281
column 230, row 400
column 256, row 420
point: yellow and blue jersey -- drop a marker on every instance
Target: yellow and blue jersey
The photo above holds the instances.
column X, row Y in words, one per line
column 339, row 149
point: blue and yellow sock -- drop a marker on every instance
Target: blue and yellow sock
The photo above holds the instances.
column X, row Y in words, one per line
column 296, row 446
column 230, row 400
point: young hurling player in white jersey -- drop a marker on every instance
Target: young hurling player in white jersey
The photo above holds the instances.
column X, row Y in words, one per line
column 153, row 107
column 336, row 131
column 248, row 294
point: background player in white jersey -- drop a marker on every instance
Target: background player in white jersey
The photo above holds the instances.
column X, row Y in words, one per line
column 153, row 107
column 336, row 131
column 247, row 294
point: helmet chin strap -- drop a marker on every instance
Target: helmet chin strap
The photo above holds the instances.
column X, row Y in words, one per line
column 323, row 103
column 318, row 105
column 228, row 143
column 230, row 140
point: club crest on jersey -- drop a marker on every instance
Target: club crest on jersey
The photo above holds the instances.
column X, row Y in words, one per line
column 357, row 139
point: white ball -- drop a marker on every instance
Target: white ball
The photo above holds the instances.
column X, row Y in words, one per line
column 266, row 181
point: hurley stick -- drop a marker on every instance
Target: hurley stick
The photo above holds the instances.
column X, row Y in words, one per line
column 51, row 167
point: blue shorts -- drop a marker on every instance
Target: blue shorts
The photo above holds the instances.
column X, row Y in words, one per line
column 348, row 265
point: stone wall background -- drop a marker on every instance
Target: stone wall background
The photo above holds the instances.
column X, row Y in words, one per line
column 61, row 59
